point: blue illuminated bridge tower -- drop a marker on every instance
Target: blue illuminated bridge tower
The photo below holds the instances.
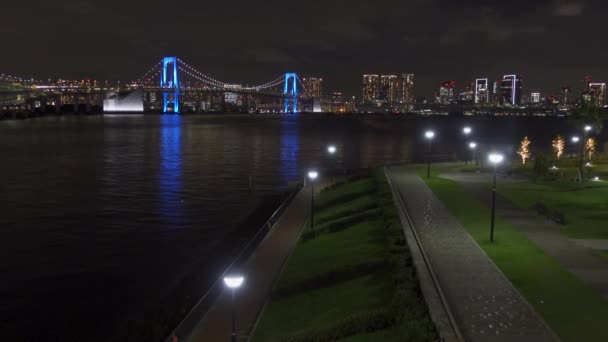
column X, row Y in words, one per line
column 170, row 85
column 290, row 91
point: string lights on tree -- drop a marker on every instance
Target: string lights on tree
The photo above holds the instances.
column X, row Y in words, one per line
column 559, row 144
column 524, row 150
column 590, row 148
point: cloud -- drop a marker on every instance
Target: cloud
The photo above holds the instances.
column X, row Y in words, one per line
column 569, row 9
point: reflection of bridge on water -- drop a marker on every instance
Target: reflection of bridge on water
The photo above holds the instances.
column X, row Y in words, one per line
column 170, row 86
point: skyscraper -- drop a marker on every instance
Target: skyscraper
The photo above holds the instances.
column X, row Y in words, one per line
column 370, row 88
column 597, row 94
column 312, row 87
column 565, row 95
column 510, row 89
column 389, row 88
column 407, row 89
column 535, row 98
column 482, row 91
column 446, row 92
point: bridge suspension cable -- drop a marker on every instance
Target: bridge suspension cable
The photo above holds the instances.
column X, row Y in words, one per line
column 149, row 73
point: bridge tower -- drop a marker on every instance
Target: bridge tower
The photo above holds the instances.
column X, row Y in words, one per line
column 290, row 91
column 170, row 85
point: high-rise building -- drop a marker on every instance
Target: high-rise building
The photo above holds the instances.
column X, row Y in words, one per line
column 370, row 88
column 535, row 98
column 338, row 103
column 482, row 91
column 597, row 94
column 496, row 92
column 389, row 88
column 312, row 87
column 565, row 95
column 446, row 92
column 467, row 95
column 510, row 89
column 407, row 89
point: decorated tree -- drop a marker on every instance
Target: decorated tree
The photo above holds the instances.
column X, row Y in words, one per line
column 590, row 148
column 558, row 146
column 524, row 150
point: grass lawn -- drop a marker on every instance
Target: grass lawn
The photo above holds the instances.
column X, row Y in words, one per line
column 345, row 274
column 584, row 205
column 574, row 311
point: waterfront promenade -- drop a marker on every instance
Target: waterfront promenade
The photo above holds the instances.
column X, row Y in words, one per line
column 485, row 305
column 261, row 272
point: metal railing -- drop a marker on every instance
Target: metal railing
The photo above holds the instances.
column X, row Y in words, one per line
column 186, row 327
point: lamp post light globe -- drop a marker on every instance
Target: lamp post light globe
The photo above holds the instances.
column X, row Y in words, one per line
column 234, row 282
column 429, row 135
column 331, row 149
column 472, row 145
column 588, row 128
column 467, row 130
column 575, row 139
column 496, row 158
column 313, row 175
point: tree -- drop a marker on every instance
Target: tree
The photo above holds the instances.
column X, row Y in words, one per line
column 558, row 146
column 586, row 114
column 524, row 150
column 590, row 148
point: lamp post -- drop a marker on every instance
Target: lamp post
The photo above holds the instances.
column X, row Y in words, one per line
column 429, row 135
column 331, row 150
column 312, row 175
column 473, row 148
column 495, row 159
column 466, row 131
column 575, row 140
column 233, row 282
column 586, row 131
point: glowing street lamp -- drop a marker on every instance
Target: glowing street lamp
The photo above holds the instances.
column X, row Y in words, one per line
column 575, row 139
column 466, row 131
column 495, row 159
column 588, row 128
column 233, row 282
column 429, row 135
column 331, row 150
column 473, row 148
column 312, row 175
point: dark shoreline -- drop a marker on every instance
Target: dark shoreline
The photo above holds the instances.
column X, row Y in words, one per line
column 155, row 322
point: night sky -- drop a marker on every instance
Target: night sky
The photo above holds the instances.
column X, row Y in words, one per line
column 549, row 42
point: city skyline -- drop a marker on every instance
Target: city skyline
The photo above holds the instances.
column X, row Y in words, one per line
column 474, row 38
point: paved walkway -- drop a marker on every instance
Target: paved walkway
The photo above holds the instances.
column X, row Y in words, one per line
column 485, row 304
column 260, row 272
column 592, row 269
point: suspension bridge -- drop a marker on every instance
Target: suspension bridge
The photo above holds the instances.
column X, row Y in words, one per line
column 170, row 86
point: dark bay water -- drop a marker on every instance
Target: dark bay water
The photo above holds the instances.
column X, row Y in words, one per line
column 112, row 225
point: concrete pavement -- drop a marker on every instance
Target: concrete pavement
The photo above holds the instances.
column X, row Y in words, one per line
column 483, row 301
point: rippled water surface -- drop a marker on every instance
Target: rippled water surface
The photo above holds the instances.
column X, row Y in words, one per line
column 112, row 224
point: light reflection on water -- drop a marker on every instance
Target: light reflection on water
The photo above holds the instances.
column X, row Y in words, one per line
column 289, row 150
column 170, row 170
